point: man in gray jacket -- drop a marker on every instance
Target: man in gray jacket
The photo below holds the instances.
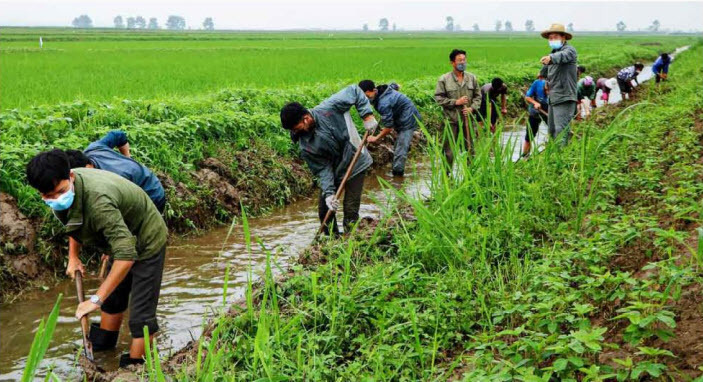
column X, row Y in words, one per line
column 560, row 69
column 328, row 141
column 398, row 113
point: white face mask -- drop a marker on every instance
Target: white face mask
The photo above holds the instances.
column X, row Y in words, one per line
column 555, row 44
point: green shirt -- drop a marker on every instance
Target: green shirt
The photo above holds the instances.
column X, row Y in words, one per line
column 114, row 214
column 449, row 89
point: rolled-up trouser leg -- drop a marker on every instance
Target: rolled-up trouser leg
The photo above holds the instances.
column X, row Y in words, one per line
column 559, row 120
column 352, row 200
column 322, row 212
column 401, row 149
column 144, row 298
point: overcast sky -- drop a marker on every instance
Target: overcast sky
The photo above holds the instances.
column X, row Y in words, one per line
column 329, row 14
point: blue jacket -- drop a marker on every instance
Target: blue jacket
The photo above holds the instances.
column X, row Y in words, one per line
column 328, row 149
column 660, row 66
column 104, row 157
column 396, row 109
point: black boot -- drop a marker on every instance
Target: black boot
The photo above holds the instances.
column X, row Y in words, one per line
column 126, row 360
column 102, row 339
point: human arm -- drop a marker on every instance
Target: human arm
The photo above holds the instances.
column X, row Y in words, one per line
column 383, row 133
column 321, row 167
column 441, row 96
column 74, row 261
column 118, row 272
column 567, row 55
column 504, row 103
column 350, row 96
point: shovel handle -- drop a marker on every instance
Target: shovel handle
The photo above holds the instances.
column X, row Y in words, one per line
column 103, row 268
column 85, row 327
column 340, row 190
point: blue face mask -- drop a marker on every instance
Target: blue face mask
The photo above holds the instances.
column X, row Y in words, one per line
column 63, row 202
column 555, row 44
column 461, row 67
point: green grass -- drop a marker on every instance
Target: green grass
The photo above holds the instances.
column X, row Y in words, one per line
column 509, row 271
column 105, row 65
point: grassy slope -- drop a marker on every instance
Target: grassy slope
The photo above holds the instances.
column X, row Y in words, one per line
column 579, row 264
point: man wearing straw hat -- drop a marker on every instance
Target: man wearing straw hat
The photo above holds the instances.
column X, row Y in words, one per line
column 560, row 69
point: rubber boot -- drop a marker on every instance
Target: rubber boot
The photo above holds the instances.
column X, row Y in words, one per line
column 102, row 339
column 126, row 360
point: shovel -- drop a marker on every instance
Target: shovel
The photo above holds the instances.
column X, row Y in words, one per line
column 85, row 327
column 340, row 190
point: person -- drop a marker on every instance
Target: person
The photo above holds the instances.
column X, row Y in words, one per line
column 458, row 93
column 398, row 113
column 328, row 141
column 538, row 106
column 605, row 85
column 580, row 70
column 586, row 95
column 626, row 76
column 105, row 210
column 559, row 67
column 490, row 92
column 101, row 154
column 660, row 68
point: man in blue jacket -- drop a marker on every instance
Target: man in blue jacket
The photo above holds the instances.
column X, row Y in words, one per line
column 660, row 68
column 398, row 113
column 328, row 140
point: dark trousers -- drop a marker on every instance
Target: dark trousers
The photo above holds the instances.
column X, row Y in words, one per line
column 534, row 120
column 140, row 290
column 467, row 144
column 351, row 204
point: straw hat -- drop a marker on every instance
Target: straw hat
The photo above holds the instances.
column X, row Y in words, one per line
column 557, row 28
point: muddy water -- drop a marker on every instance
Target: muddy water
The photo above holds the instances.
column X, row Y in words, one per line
column 193, row 277
column 192, row 283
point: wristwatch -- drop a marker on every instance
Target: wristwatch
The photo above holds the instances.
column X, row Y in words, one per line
column 95, row 299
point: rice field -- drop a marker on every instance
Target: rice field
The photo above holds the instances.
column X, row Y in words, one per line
column 579, row 264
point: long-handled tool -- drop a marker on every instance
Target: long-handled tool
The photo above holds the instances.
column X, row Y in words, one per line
column 103, row 267
column 340, row 190
column 85, row 326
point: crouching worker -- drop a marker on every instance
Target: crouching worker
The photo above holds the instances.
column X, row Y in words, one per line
column 398, row 113
column 538, row 107
column 104, row 210
column 328, row 141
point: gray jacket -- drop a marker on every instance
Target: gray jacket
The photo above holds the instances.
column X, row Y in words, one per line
column 328, row 149
column 396, row 109
column 449, row 89
column 562, row 75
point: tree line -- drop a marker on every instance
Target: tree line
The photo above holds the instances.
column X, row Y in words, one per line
column 138, row 22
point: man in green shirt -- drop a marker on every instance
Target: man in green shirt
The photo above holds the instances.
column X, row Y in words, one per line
column 104, row 210
column 459, row 95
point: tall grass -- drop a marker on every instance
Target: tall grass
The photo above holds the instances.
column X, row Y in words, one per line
column 40, row 344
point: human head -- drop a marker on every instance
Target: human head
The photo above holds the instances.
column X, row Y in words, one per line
column 581, row 69
column 76, row 158
column 297, row 119
column 369, row 89
column 497, row 83
column 49, row 172
column 665, row 57
column 639, row 66
column 588, row 81
column 556, row 31
column 457, row 58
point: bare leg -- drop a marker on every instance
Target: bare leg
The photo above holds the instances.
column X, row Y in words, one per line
column 111, row 321
column 136, row 349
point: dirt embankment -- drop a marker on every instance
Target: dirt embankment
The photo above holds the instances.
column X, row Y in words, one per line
column 257, row 179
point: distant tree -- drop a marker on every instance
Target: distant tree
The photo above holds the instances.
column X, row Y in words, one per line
column 530, row 26
column 476, row 28
column 176, row 23
column 499, row 25
column 450, row 24
column 394, row 27
column 508, row 26
column 119, row 22
column 383, row 24
column 365, row 28
column 620, row 26
column 570, row 27
column 208, row 24
column 131, row 22
column 153, row 23
column 139, row 22
column 82, row 21
column 655, row 26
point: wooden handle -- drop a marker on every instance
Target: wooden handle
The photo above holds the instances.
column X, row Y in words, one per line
column 103, row 268
column 85, row 326
column 340, row 190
